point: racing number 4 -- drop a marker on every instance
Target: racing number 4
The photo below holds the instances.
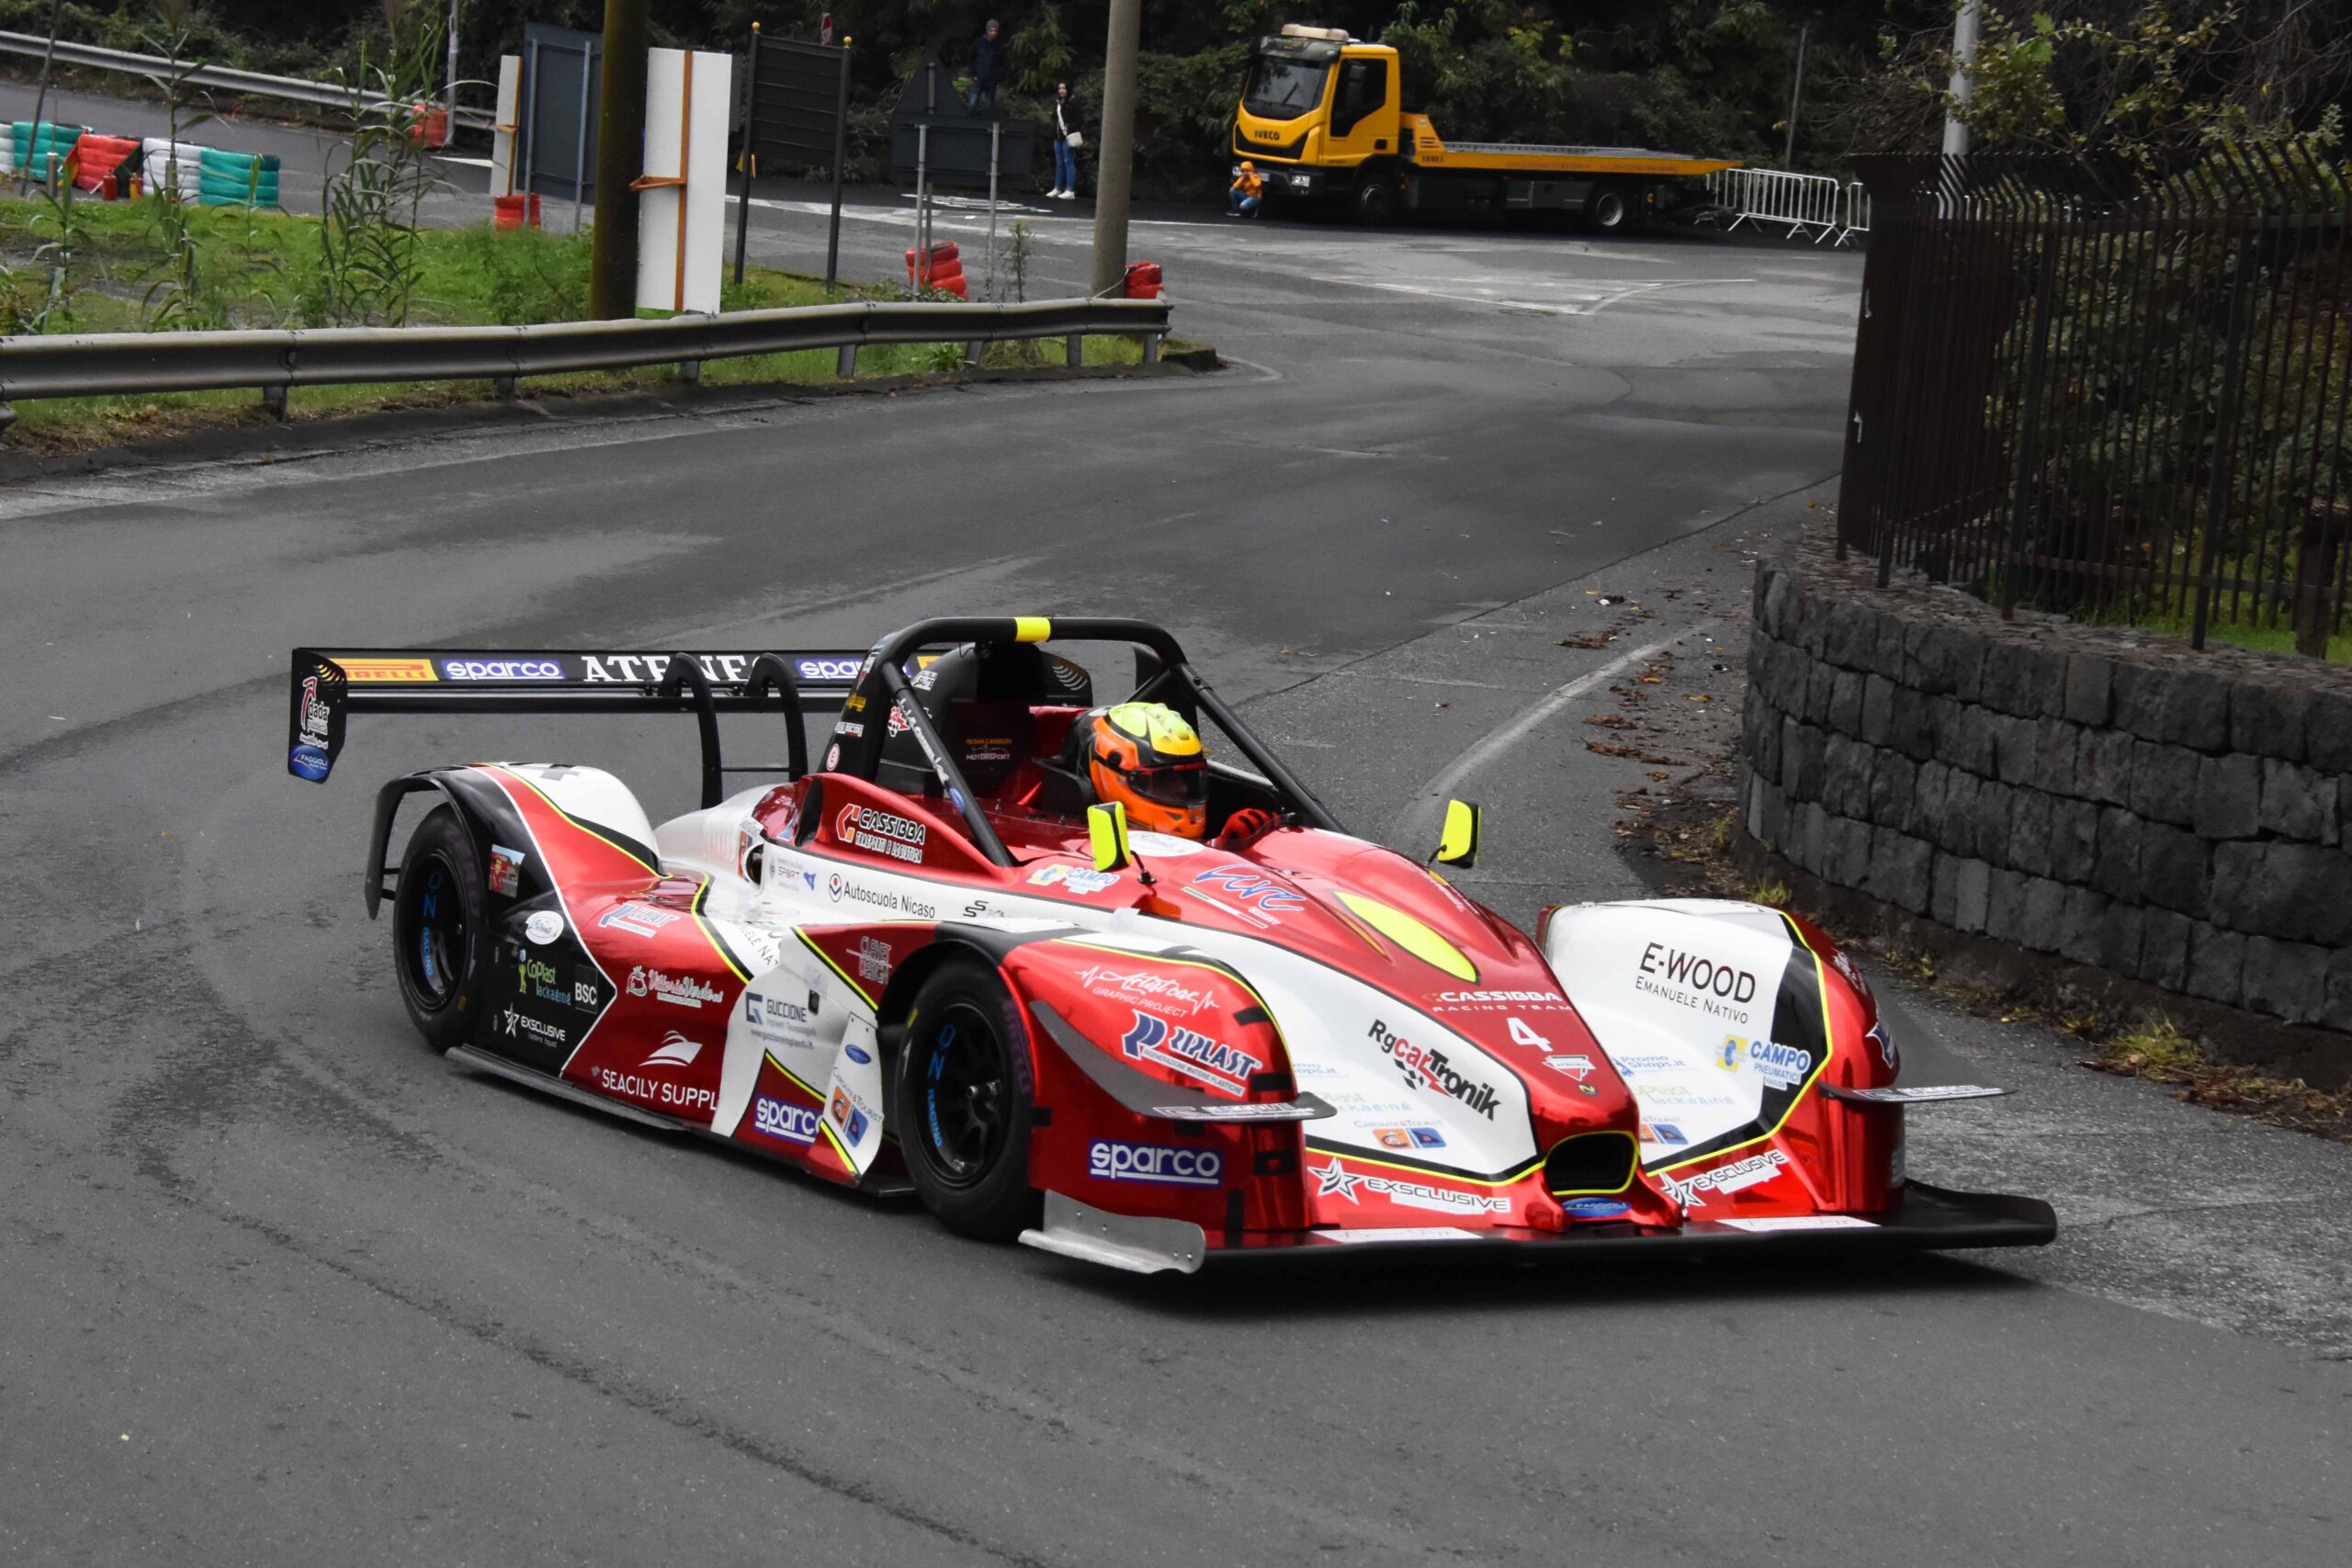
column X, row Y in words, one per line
column 1523, row 1035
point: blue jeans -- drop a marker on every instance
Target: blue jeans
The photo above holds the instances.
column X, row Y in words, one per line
column 1065, row 165
column 1243, row 205
column 980, row 90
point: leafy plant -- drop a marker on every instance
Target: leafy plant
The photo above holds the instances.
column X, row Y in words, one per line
column 67, row 237
column 369, row 259
column 177, row 296
column 533, row 276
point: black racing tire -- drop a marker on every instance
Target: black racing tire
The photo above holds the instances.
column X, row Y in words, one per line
column 1376, row 199
column 441, row 931
column 1611, row 210
column 962, row 1092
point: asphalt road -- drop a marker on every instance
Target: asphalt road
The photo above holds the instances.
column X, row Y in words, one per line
column 280, row 1285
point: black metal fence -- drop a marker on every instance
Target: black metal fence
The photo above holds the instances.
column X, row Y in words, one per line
column 2118, row 395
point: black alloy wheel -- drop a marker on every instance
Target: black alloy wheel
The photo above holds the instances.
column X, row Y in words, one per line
column 439, row 923
column 962, row 1103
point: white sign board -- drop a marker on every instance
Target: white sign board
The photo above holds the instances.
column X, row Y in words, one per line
column 682, row 200
column 501, row 136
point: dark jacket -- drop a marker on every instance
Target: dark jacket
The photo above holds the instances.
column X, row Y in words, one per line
column 988, row 58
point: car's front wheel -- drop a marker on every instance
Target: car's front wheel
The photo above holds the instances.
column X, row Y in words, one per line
column 962, row 1102
column 440, row 924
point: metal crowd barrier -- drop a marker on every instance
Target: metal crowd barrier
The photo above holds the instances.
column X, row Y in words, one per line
column 1814, row 205
column 221, row 78
column 99, row 364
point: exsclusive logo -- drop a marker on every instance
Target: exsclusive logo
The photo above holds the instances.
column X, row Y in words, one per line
column 1163, row 1164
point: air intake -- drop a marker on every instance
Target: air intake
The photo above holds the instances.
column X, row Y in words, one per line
column 1590, row 1162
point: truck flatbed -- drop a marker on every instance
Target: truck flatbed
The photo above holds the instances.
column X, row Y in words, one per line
column 1425, row 149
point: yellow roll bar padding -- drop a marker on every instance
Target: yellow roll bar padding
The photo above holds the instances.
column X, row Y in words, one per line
column 1106, row 835
column 1031, row 628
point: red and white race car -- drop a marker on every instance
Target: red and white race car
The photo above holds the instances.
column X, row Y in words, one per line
column 931, row 962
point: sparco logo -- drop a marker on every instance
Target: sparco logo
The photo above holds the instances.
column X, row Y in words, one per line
column 502, row 669
column 1431, row 1070
column 1108, row 1161
column 881, row 832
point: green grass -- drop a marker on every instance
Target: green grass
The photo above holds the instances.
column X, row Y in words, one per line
column 261, row 270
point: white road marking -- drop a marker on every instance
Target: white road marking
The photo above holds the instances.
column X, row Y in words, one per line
column 1423, row 805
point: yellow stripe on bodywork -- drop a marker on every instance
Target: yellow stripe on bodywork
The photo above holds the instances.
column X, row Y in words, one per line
column 710, row 934
column 1413, row 936
column 588, row 827
column 827, row 959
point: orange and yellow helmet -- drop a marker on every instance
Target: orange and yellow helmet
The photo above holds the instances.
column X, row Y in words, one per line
column 1145, row 757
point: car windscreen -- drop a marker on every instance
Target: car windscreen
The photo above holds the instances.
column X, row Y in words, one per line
column 1284, row 89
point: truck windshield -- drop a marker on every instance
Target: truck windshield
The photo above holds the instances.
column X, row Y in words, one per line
column 1284, row 89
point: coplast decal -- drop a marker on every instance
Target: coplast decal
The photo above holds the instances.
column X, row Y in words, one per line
column 883, row 832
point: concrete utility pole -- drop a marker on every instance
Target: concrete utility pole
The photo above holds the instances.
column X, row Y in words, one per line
column 620, row 158
column 1963, row 55
column 1114, row 173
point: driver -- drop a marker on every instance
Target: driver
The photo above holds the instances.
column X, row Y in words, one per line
column 1145, row 757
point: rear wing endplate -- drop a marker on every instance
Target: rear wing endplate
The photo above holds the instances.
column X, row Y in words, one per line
column 328, row 685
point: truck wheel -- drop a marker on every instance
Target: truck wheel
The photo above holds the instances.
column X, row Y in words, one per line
column 961, row 1102
column 440, row 928
column 1611, row 210
column 1377, row 201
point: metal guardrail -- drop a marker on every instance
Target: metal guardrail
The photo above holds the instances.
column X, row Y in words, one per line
column 294, row 89
column 100, row 364
column 1798, row 203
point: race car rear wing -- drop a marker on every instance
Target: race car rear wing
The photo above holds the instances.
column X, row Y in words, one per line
column 328, row 685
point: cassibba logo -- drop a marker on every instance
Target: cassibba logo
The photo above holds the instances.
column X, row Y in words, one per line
column 882, row 832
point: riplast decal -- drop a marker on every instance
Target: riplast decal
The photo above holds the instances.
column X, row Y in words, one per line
column 1161, row 1163
column 882, row 832
column 1429, row 1070
column 1189, row 1052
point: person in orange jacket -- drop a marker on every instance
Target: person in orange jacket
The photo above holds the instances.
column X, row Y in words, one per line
column 1246, row 192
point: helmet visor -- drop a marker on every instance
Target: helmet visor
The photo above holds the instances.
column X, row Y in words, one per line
column 1181, row 787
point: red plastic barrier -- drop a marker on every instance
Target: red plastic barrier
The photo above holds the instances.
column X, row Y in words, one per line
column 97, row 163
column 944, row 272
column 428, row 125
column 517, row 210
column 1143, row 280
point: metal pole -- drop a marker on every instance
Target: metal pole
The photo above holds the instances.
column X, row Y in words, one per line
column 996, row 138
column 620, row 158
column 921, row 269
column 750, row 129
column 841, row 152
column 1115, row 169
column 527, row 129
column 1796, row 99
column 580, row 141
column 1963, row 56
column 40, row 99
column 452, row 41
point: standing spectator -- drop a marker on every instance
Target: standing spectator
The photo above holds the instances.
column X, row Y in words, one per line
column 1246, row 192
column 987, row 64
column 1067, row 142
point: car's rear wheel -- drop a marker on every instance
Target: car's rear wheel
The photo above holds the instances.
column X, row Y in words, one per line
column 440, row 925
column 962, row 1103
column 1611, row 210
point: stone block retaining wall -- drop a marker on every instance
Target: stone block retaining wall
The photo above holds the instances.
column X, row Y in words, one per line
column 2177, row 817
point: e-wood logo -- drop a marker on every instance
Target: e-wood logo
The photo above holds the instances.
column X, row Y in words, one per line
column 1693, row 980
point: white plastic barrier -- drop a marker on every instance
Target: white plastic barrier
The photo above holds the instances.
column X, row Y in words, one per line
column 160, row 162
column 1814, row 205
column 501, row 138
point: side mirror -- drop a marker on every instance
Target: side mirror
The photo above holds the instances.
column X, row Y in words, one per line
column 1458, row 844
column 1106, row 835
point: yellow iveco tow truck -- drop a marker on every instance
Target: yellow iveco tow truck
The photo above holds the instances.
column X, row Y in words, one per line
column 1321, row 119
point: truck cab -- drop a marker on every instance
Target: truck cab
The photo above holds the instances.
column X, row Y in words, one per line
column 1318, row 108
